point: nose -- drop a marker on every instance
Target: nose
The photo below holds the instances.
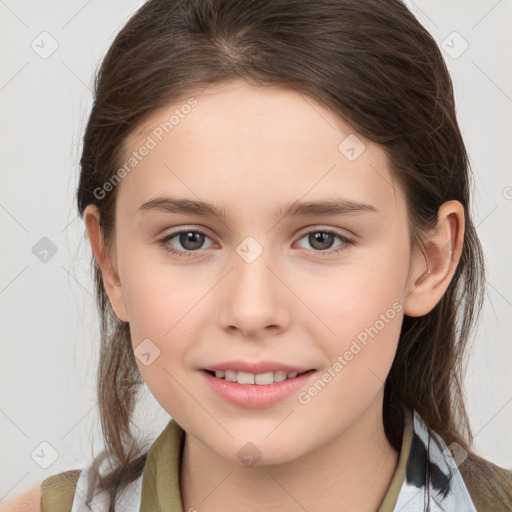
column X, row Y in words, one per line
column 253, row 300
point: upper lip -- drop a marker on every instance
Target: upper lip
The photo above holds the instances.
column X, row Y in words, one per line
column 260, row 367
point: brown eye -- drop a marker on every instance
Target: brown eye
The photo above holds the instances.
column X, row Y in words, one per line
column 190, row 241
column 322, row 240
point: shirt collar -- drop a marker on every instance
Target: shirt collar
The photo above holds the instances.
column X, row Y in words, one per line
column 426, row 477
column 432, row 478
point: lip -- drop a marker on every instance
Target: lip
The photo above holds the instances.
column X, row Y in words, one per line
column 255, row 396
column 260, row 367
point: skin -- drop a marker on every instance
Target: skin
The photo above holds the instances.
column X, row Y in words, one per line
column 27, row 501
column 253, row 150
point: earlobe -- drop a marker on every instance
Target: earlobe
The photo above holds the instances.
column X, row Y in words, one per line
column 111, row 280
column 431, row 275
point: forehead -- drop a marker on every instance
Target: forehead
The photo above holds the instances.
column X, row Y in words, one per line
column 253, row 145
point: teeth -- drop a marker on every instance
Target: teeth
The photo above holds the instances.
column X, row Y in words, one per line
column 251, row 378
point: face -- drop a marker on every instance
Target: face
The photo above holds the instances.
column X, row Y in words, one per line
column 314, row 288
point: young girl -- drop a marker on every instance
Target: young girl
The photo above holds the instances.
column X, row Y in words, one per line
column 276, row 193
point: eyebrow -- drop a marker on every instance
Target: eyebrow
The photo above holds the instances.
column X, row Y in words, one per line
column 336, row 206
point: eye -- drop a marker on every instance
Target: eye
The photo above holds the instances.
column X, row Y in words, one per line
column 323, row 239
column 190, row 239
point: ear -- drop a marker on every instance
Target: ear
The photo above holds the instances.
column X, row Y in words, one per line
column 428, row 280
column 110, row 276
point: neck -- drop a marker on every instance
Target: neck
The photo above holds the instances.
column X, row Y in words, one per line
column 350, row 472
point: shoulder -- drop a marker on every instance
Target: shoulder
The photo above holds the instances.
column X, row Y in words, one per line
column 27, row 501
column 489, row 485
column 58, row 491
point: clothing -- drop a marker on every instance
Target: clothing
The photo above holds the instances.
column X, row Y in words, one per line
column 158, row 489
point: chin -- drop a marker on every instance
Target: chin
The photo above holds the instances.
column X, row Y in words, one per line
column 261, row 453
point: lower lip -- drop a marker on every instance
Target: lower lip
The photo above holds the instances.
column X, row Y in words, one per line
column 255, row 396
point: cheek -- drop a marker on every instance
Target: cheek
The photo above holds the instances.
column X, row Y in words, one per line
column 154, row 292
column 361, row 315
column 163, row 306
column 360, row 310
column 158, row 307
column 166, row 304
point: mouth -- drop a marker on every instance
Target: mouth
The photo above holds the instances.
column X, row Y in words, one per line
column 257, row 391
column 259, row 379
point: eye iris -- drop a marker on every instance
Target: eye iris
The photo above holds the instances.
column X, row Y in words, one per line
column 196, row 239
column 322, row 238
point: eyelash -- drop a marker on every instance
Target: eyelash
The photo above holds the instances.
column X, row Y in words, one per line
column 189, row 254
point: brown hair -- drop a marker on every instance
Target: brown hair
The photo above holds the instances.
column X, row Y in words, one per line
column 373, row 64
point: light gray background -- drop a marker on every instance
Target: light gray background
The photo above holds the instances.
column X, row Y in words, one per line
column 49, row 329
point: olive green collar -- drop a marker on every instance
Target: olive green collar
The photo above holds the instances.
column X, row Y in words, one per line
column 427, row 476
column 161, row 479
